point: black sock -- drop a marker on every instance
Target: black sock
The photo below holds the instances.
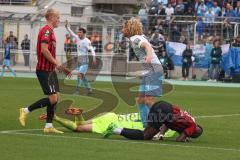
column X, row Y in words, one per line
column 50, row 113
column 39, row 104
column 133, row 134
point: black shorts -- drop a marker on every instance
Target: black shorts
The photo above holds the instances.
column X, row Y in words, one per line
column 48, row 82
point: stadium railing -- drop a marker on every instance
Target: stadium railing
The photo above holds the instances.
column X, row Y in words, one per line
column 17, row 2
column 105, row 32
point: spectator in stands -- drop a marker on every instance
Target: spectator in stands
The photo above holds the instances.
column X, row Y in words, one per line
column 216, row 9
column 200, row 28
column 25, row 45
column 190, row 26
column 186, row 61
column 227, row 7
column 175, row 34
column 220, row 3
column 209, row 3
column 230, row 13
column 169, row 12
column 14, row 45
column 216, row 57
column 143, row 15
column 237, row 10
column 164, row 60
column 236, row 42
column 156, row 38
column 189, row 11
column 209, row 20
column 156, row 41
column 163, row 2
column 202, row 9
column 68, row 48
column 13, row 40
column 196, row 5
column 97, row 43
column 189, row 3
column 180, row 8
column 173, row 3
column 120, row 43
column 228, row 30
column 153, row 7
column 183, row 40
column 159, row 25
column 208, row 50
column 161, row 10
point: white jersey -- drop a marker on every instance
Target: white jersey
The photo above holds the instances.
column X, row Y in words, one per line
column 136, row 42
column 83, row 45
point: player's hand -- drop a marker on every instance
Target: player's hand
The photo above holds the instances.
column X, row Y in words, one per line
column 161, row 137
column 58, row 65
column 181, row 138
column 148, row 59
column 66, row 71
column 67, row 24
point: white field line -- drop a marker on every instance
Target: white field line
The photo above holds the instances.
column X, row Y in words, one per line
column 23, row 132
column 197, row 117
column 218, row 116
column 122, row 141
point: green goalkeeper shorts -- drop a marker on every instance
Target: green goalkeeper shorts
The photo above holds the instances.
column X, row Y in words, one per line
column 100, row 123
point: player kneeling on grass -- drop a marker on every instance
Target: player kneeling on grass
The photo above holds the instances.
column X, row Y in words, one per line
column 100, row 123
column 162, row 116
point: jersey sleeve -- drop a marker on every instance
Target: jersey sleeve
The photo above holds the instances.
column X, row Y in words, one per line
column 138, row 40
column 75, row 37
column 45, row 36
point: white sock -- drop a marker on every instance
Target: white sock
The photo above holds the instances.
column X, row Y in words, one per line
column 117, row 131
column 48, row 125
column 26, row 110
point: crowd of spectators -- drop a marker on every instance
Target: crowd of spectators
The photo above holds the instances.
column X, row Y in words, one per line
column 161, row 15
column 12, row 40
column 227, row 8
column 17, row 2
column 159, row 23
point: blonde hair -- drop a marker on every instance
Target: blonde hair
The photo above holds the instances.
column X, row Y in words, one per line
column 50, row 12
column 133, row 27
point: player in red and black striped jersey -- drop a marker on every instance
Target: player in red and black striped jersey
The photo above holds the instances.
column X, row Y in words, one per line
column 163, row 116
column 46, row 36
column 45, row 70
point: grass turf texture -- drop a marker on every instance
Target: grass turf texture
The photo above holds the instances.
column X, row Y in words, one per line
column 220, row 139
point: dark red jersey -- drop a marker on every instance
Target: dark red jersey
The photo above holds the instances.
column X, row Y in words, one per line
column 172, row 116
column 46, row 35
column 182, row 121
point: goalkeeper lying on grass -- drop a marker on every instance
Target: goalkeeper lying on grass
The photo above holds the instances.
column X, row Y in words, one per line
column 162, row 117
column 100, row 124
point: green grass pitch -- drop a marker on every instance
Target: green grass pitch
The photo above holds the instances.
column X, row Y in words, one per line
column 219, row 108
